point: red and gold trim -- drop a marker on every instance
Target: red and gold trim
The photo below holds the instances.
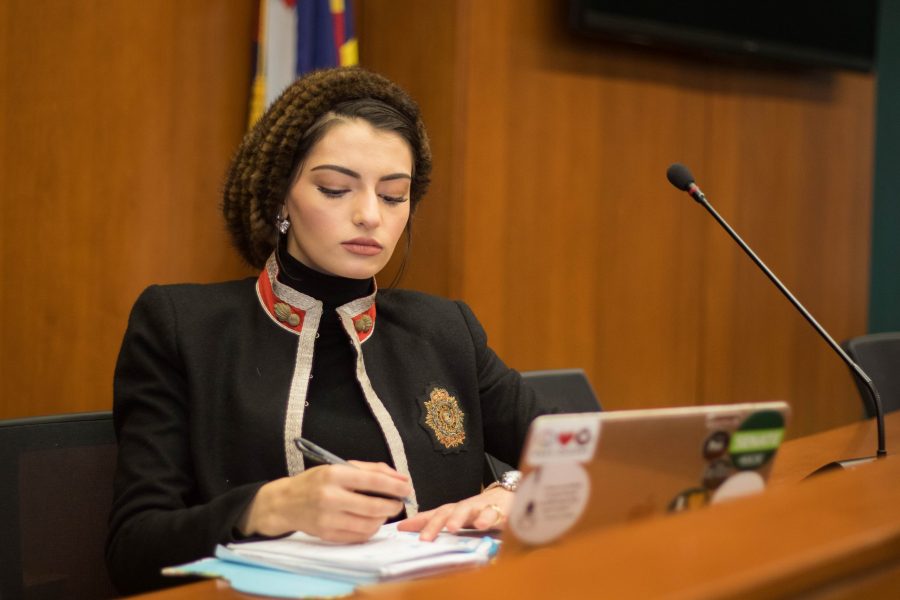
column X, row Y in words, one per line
column 288, row 308
column 287, row 316
column 300, row 314
column 364, row 323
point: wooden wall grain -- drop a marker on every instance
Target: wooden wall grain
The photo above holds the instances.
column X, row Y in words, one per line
column 574, row 250
column 118, row 119
column 549, row 212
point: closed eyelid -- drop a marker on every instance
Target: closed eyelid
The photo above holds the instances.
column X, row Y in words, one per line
column 394, row 193
column 332, row 191
column 392, row 198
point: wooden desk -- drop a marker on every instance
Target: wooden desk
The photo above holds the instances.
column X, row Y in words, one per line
column 834, row 536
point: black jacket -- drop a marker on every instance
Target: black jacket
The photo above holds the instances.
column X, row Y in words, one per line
column 209, row 392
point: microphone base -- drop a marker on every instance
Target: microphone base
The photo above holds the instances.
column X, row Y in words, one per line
column 840, row 465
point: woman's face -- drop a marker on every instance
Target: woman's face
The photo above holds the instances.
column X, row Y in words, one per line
column 350, row 202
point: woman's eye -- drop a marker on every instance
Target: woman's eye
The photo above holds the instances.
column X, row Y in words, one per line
column 332, row 193
column 393, row 199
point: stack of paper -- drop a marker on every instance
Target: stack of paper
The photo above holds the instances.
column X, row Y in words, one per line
column 390, row 554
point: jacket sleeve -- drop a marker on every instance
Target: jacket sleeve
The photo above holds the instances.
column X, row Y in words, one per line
column 508, row 406
column 157, row 520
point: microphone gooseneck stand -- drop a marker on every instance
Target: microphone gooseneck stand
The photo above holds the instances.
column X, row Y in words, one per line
column 681, row 177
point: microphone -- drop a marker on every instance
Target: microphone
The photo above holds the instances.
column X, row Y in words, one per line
column 680, row 176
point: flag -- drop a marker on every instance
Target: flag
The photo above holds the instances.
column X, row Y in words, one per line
column 295, row 37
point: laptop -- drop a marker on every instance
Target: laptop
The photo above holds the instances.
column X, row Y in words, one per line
column 590, row 470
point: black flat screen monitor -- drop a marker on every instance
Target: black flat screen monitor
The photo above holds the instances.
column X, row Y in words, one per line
column 820, row 33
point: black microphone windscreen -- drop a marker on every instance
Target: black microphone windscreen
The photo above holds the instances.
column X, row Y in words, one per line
column 679, row 176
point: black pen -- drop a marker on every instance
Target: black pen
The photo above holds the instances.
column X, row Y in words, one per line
column 319, row 454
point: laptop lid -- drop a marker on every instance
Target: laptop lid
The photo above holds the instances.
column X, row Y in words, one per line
column 590, row 470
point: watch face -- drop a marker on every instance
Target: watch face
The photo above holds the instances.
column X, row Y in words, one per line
column 510, row 480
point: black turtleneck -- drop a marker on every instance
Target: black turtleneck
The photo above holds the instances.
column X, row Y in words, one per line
column 337, row 416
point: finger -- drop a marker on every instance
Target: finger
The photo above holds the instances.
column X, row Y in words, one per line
column 415, row 523
column 379, row 467
column 436, row 523
column 489, row 518
column 461, row 516
column 366, row 480
column 363, row 505
column 330, row 494
column 344, row 537
column 348, row 528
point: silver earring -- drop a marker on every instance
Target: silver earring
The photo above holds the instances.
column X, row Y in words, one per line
column 282, row 223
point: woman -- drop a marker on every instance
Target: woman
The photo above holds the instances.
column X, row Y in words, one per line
column 215, row 382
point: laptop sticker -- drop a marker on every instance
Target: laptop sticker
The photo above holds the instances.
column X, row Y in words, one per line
column 563, row 440
column 738, row 485
column 716, row 473
column 716, row 445
column 689, row 500
column 756, row 440
column 549, row 501
column 722, row 421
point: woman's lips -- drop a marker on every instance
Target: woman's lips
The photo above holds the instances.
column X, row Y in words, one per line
column 362, row 246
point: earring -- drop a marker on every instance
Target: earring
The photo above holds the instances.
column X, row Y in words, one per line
column 282, row 223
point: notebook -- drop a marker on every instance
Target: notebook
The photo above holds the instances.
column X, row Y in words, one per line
column 591, row 470
column 390, row 554
column 302, row 566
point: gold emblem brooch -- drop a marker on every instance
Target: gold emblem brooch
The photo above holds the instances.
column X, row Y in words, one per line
column 363, row 324
column 284, row 314
column 445, row 419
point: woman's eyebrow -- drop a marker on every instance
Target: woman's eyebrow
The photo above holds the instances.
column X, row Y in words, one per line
column 393, row 176
column 355, row 175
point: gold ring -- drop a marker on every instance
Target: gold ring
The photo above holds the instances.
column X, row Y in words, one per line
column 500, row 515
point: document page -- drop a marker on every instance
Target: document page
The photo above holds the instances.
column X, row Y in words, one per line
column 390, row 554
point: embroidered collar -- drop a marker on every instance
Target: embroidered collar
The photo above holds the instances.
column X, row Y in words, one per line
column 288, row 307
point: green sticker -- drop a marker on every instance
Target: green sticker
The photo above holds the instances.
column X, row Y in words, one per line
column 756, row 440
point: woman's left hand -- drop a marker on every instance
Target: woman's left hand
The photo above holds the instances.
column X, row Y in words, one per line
column 487, row 510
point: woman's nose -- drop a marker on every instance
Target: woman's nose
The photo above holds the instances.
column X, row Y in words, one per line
column 367, row 210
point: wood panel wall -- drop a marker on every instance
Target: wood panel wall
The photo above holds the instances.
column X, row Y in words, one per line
column 549, row 212
column 574, row 250
column 117, row 120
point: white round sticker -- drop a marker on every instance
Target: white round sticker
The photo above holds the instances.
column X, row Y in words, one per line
column 740, row 484
column 549, row 501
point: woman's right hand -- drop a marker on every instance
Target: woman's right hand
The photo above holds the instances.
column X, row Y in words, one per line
column 326, row 502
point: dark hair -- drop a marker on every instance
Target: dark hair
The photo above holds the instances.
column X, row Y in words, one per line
column 271, row 153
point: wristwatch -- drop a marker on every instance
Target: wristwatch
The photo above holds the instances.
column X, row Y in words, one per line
column 510, row 480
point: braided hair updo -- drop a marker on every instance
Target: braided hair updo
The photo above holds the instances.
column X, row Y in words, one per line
column 271, row 153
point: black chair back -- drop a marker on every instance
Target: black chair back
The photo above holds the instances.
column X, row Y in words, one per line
column 568, row 389
column 57, row 475
column 879, row 356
